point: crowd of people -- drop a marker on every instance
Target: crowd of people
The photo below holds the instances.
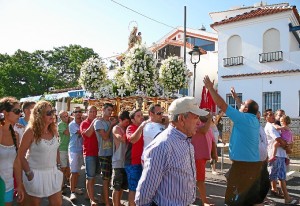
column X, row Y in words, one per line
column 161, row 160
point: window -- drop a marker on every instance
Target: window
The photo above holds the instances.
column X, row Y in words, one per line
column 234, row 46
column 234, row 52
column 271, row 100
column 204, row 44
column 230, row 101
column 271, row 41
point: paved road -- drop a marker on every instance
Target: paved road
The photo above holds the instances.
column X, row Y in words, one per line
column 215, row 185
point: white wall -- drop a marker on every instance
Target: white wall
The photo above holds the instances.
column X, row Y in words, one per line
column 251, row 33
column 208, row 65
column 253, row 88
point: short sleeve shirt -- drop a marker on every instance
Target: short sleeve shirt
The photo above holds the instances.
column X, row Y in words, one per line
column 75, row 144
column 105, row 146
column 63, row 139
column 244, row 140
column 150, row 131
column 90, row 144
column 203, row 144
column 272, row 135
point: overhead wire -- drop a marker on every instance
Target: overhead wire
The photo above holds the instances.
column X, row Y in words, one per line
column 143, row 15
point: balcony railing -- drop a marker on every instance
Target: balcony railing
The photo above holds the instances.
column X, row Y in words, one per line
column 271, row 56
column 233, row 61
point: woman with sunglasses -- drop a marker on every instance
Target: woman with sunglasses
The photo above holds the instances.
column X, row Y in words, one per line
column 42, row 176
column 9, row 141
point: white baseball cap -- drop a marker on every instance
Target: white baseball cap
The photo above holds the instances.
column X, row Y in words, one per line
column 186, row 104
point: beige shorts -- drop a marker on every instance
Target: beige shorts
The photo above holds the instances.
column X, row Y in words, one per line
column 64, row 159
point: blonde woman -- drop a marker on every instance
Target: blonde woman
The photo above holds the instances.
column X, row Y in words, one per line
column 42, row 176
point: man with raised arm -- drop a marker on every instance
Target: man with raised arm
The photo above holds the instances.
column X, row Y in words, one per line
column 243, row 150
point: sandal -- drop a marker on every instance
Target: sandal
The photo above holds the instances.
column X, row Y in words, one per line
column 291, row 202
column 277, row 194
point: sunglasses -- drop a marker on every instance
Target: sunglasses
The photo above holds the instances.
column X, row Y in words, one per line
column 158, row 113
column 16, row 111
column 77, row 112
column 50, row 113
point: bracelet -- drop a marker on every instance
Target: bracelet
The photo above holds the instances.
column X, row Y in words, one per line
column 28, row 173
column 58, row 166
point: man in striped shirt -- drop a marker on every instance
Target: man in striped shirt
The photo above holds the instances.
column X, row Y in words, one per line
column 169, row 173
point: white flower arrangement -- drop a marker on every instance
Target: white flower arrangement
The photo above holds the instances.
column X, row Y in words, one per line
column 173, row 75
column 105, row 91
column 140, row 72
column 93, row 74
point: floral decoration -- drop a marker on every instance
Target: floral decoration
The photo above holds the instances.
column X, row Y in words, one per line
column 173, row 75
column 139, row 73
column 93, row 74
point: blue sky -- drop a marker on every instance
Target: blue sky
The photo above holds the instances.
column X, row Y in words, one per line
column 100, row 24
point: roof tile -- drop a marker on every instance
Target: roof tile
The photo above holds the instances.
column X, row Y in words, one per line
column 263, row 11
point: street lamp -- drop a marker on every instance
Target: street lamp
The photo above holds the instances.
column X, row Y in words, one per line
column 195, row 59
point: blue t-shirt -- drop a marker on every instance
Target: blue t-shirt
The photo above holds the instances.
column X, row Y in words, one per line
column 22, row 121
column 244, row 140
column 105, row 146
column 75, row 144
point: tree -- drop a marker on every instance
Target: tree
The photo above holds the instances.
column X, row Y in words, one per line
column 23, row 74
column 67, row 61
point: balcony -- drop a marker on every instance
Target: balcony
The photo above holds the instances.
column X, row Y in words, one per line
column 271, row 56
column 233, row 61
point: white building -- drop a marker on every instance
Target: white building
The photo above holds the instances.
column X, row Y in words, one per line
column 173, row 44
column 260, row 56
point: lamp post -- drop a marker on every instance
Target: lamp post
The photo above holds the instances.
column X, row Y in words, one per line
column 195, row 59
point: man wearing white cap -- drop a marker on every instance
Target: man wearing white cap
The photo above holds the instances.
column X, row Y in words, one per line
column 169, row 173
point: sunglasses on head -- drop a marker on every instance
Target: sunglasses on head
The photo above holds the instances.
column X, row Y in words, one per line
column 50, row 112
column 16, row 111
column 77, row 112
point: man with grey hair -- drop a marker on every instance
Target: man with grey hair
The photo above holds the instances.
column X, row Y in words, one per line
column 169, row 173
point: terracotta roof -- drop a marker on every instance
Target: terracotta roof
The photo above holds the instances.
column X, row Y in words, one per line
column 263, row 11
column 262, row 73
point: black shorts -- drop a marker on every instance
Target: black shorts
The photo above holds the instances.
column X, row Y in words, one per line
column 119, row 179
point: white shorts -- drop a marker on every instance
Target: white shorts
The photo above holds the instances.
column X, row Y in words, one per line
column 76, row 161
column 64, row 159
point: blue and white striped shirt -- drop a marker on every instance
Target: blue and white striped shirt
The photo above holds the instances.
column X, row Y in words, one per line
column 169, row 174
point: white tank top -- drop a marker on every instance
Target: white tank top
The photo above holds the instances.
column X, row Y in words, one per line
column 7, row 157
column 42, row 155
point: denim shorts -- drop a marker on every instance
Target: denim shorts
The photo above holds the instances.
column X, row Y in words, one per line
column 277, row 169
column 9, row 196
column 91, row 166
column 134, row 173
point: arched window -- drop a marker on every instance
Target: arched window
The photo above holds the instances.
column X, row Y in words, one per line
column 271, row 41
column 234, row 46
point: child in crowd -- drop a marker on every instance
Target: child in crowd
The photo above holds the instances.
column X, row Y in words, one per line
column 286, row 134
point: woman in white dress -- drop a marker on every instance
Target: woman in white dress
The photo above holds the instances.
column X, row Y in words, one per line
column 42, row 176
column 9, row 162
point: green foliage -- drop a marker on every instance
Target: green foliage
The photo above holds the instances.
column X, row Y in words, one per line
column 27, row 74
column 67, row 61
